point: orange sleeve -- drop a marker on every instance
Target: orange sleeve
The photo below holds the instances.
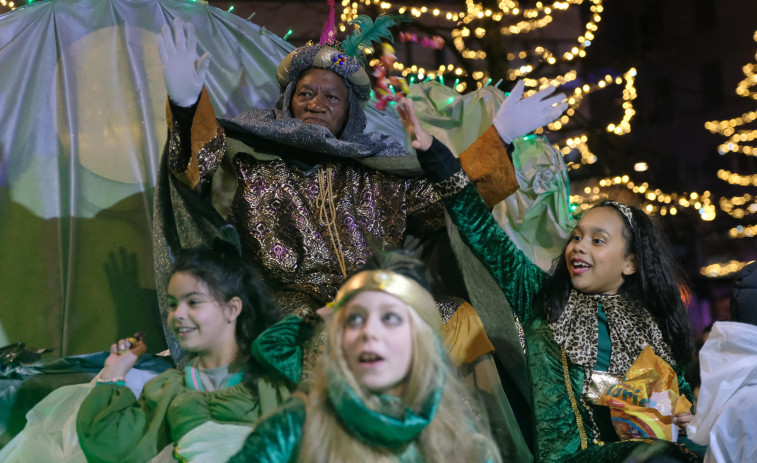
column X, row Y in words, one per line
column 204, row 130
column 489, row 167
column 464, row 336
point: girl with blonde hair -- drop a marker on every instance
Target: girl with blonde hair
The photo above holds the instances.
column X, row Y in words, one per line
column 385, row 391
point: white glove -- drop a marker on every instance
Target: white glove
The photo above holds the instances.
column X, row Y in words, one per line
column 517, row 117
column 184, row 73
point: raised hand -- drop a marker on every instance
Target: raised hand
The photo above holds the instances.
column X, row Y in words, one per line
column 183, row 71
column 123, row 356
column 421, row 140
column 518, row 116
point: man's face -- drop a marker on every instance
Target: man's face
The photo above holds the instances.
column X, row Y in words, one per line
column 321, row 97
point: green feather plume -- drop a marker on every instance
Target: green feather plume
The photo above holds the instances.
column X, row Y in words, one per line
column 367, row 31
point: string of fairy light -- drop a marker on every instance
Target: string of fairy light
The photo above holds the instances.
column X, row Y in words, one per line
column 656, row 201
column 738, row 140
column 523, row 21
column 738, row 137
column 574, row 101
column 720, row 270
column 532, row 19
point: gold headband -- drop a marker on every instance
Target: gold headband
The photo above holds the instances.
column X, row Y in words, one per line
column 403, row 288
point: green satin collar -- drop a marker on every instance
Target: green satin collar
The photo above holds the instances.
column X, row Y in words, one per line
column 375, row 427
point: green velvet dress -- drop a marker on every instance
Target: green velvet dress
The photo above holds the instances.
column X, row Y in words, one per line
column 114, row 426
column 557, row 433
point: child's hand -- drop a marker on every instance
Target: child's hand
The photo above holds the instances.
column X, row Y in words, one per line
column 683, row 419
column 123, row 356
column 421, row 140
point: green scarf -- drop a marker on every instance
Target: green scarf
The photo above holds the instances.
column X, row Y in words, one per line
column 378, row 427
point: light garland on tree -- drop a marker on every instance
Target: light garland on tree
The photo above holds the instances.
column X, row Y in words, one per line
column 728, row 128
column 738, row 141
column 725, row 269
column 583, row 41
column 532, row 19
column 524, row 20
column 738, row 206
column 574, row 101
column 629, row 94
column 525, row 26
column 655, row 201
column 577, row 143
column 736, row 179
column 741, row 231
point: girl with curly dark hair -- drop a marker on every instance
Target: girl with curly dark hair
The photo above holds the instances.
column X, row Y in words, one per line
column 613, row 291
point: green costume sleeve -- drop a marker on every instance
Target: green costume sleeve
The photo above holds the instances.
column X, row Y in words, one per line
column 113, row 426
column 279, row 347
column 276, row 439
column 515, row 274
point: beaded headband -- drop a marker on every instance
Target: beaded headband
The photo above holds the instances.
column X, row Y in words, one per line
column 623, row 209
column 403, row 288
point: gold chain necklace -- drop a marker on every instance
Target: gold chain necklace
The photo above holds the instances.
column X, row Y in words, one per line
column 327, row 213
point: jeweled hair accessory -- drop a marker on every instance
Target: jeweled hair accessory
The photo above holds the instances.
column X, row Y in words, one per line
column 623, row 209
column 403, row 288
